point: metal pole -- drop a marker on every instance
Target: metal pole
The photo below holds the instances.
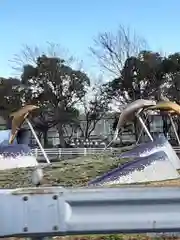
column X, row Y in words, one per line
column 144, row 126
column 174, row 127
column 114, row 138
column 142, row 130
column 38, row 142
column 109, row 144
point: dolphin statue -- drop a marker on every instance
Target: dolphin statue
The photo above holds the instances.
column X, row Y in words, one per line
column 129, row 112
column 18, row 119
column 166, row 106
column 172, row 109
column 19, row 155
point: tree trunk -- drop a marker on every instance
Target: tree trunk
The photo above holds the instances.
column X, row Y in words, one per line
column 88, row 123
column 61, row 135
column 86, row 132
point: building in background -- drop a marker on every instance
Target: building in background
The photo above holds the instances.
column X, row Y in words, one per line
column 103, row 132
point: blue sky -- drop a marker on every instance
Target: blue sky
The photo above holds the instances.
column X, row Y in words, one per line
column 74, row 24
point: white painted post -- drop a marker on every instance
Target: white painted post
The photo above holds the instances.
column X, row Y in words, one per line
column 59, row 151
column 37, row 140
column 85, row 151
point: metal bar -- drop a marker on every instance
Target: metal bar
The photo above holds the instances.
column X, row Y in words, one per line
column 142, row 130
column 114, row 138
column 145, row 128
column 38, row 142
column 88, row 211
column 174, row 128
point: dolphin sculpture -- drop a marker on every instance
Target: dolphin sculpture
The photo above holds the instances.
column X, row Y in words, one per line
column 171, row 108
column 166, row 106
column 130, row 111
column 18, row 119
column 19, row 155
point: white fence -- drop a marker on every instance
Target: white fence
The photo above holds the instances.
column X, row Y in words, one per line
column 58, row 152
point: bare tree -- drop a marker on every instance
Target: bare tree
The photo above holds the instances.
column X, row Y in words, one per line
column 29, row 54
column 111, row 50
column 94, row 106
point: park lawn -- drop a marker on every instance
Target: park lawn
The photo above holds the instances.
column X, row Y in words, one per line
column 76, row 173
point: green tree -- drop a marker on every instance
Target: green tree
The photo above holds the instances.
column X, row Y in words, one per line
column 171, row 88
column 58, row 87
column 10, row 99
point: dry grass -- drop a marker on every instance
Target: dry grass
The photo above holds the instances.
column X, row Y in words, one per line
column 65, row 173
column 77, row 173
column 110, row 237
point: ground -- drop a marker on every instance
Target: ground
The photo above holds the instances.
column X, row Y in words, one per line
column 68, row 173
column 73, row 173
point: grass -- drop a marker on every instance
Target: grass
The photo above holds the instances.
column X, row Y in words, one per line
column 65, row 173
column 76, row 173
column 110, row 237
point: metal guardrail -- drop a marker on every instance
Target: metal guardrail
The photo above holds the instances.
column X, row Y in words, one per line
column 88, row 211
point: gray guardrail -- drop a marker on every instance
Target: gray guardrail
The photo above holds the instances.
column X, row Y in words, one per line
column 55, row 211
